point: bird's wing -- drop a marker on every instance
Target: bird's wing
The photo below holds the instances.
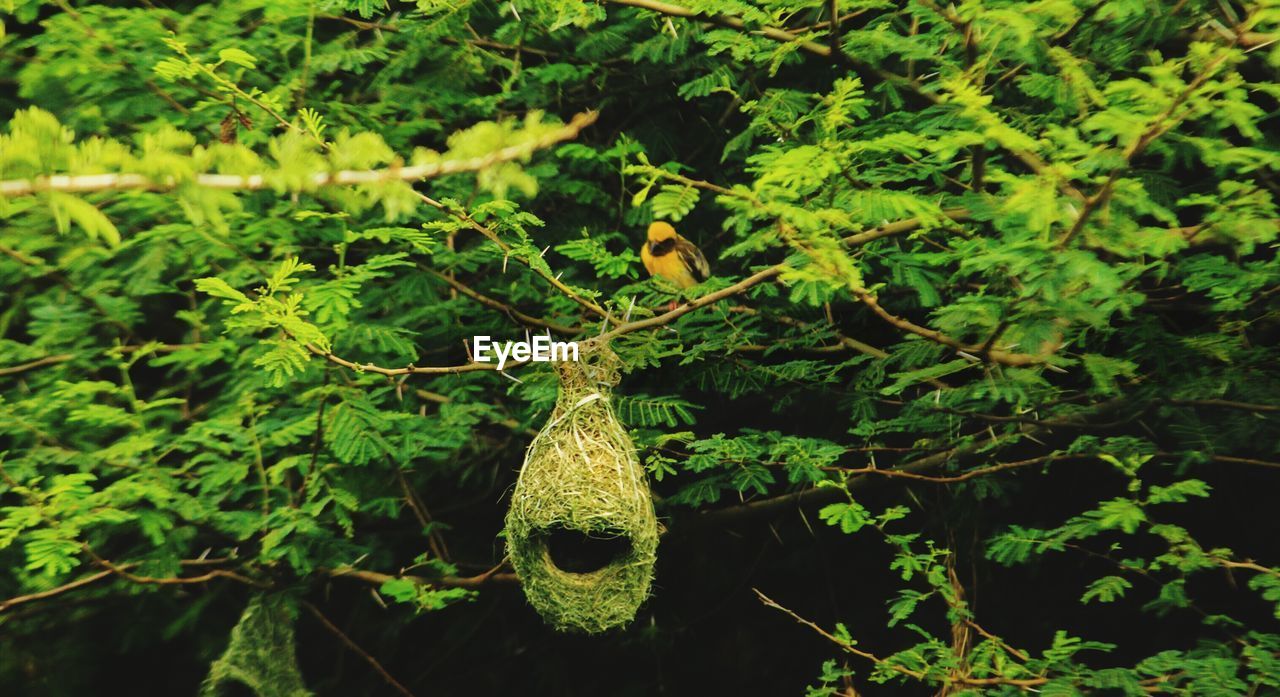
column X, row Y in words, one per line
column 693, row 259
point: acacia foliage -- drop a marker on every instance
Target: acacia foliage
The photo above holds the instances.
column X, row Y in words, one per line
column 1011, row 238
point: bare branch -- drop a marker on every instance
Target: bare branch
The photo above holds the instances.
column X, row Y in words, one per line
column 355, row 648
column 995, row 355
column 828, row 494
column 963, row 477
column 409, row 369
column 94, row 578
column 377, row 579
column 902, row 670
column 527, row 320
column 52, row 592
column 38, row 363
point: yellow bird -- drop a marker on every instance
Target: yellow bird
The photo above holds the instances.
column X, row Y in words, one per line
column 672, row 257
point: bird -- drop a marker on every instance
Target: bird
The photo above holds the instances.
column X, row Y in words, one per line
column 667, row 254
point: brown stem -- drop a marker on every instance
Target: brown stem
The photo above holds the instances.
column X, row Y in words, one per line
column 828, row 494
column 487, row 301
column 885, row 663
column 1160, row 125
column 994, row 355
column 409, row 369
column 493, row 237
column 119, row 181
column 964, row 477
column 38, row 363
column 377, row 579
column 355, row 648
column 52, row 592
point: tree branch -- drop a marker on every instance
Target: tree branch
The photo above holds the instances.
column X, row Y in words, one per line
column 964, row 477
column 742, row 286
column 506, row 248
column 1224, row 403
column 52, row 592
column 902, row 670
column 976, row 351
column 471, row 367
column 122, row 570
column 769, row 602
column 732, row 22
column 84, row 183
column 113, row 569
column 829, row 494
column 377, row 579
column 355, row 648
column 38, row 363
column 527, row 320
column 1157, row 127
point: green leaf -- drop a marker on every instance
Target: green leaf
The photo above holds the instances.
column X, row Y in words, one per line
column 237, row 56
column 1106, row 589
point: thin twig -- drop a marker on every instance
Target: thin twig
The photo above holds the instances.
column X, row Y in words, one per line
column 994, row 355
column 38, row 363
column 492, row 236
column 826, row 494
column 410, row 369
column 963, row 477
column 1154, row 130
column 355, row 648
column 52, row 592
column 902, row 670
column 527, row 320
column 377, row 578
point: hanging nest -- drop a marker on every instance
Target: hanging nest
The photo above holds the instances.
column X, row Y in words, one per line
column 260, row 656
column 581, row 531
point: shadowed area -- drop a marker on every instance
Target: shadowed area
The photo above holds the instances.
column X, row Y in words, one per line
column 579, row 553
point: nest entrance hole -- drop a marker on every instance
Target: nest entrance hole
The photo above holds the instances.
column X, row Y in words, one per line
column 578, row 552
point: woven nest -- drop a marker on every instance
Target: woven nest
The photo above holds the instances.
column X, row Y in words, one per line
column 260, row 658
column 581, row 531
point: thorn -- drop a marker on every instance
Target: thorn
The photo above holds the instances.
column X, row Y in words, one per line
column 504, row 261
column 511, row 377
